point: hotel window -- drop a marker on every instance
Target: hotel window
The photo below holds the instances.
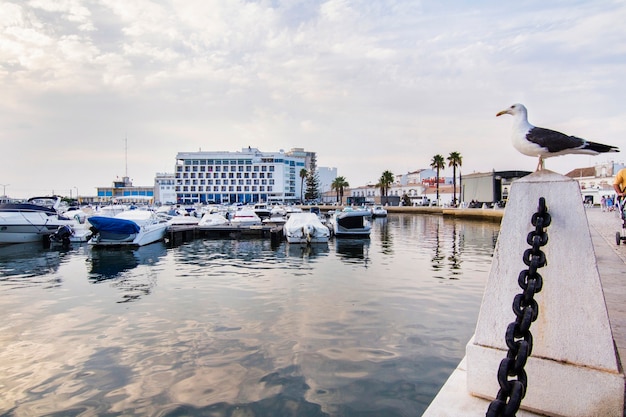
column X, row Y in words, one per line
column 264, row 168
column 218, row 169
column 271, row 168
column 261, row 188
column 248, row 168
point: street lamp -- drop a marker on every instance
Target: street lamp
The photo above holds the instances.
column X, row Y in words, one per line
column 77, row 199
column 4, row 189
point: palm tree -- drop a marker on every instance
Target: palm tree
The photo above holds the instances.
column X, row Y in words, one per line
column 338, row 185
column 438, row 163
column 454, row 160
column 386, row 179
column 303, row 174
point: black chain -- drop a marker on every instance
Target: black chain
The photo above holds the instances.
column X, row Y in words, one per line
column 518, row 338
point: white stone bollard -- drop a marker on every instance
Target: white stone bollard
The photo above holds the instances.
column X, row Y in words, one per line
column 573, row 369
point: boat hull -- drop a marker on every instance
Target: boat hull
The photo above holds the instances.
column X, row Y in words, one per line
column 127, row 229
column 28, row 227
column 351, row 224
column 305, row 228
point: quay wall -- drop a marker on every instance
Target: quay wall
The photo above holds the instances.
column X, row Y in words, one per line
column 494, row 215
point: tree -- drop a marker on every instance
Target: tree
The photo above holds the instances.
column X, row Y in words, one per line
column 338, row 185
column 438, row 163
column 303, row 175
column 312, row 186
column 386, row 179
column 454, row 160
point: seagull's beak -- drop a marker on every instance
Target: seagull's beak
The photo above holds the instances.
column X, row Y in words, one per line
column 503, row 112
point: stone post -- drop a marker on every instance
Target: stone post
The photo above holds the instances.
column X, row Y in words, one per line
column 574, row 370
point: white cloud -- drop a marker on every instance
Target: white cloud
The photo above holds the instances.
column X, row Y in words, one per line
column 369, row 85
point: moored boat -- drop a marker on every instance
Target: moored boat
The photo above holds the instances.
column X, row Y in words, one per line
column 129, row 228
column 262, row 210
column 245, row 217
column 305, row 228
column 32, row 221
column 351, row 223
column 378, row 211
column 213, row 219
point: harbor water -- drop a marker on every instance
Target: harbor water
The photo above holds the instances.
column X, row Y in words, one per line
column 240, row 327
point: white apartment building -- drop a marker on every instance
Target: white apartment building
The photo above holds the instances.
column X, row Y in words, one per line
column 248, row 176
column 165, row 188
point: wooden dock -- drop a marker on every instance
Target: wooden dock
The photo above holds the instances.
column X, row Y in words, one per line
column 179, row 234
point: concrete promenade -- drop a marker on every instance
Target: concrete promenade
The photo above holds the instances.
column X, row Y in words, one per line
column 612, row 268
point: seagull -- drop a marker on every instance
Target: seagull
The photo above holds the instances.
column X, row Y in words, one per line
column 545, row 143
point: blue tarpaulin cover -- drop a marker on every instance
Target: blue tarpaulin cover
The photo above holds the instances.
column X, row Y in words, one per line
column 114, row 225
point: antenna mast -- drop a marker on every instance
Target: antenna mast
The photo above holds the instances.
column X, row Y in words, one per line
column 126, row 154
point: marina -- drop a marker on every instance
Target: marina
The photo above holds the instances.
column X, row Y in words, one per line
column 213, row 325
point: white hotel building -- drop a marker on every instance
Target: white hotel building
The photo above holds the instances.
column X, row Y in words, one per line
column 248, row 176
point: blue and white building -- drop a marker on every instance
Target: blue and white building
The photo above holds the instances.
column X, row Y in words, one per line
column 248, row 176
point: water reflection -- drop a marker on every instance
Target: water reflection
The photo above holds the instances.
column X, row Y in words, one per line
column 353, row 250
column 309, row 252
column 386, row 237
column 115, row 263
column 21, row 262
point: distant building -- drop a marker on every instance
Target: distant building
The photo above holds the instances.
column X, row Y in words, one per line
column 326, row 177
column 124, row 190
column 165, row 188
column 488, row 187
column 596, row 181
column 248, row 176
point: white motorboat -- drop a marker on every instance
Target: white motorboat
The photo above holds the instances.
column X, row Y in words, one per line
column 31, row 221
column 245, row 217
column 379, row 211
column 305, row 228
column 351, row 223
column 129, row 228
column 262, row 210
column 212, row 219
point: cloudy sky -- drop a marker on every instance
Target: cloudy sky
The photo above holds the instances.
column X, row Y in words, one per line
column 370, row 85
